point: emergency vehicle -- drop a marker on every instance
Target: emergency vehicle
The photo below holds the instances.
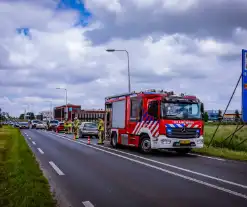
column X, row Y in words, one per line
column 154, row 119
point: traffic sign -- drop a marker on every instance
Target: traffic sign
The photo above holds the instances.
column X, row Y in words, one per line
column 70, row 109
column 244, row 85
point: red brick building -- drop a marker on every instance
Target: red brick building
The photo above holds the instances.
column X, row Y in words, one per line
column 90, row 115
column 60, row 111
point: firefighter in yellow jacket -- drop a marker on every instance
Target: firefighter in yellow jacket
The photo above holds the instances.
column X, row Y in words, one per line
column 70, row 127
column 76, row 128
column 101, row 131
column 66, row 126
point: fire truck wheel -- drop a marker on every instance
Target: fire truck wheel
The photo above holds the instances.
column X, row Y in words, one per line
column 114, row 140
column 145, row 145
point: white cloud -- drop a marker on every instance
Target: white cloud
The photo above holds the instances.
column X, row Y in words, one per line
column 61, row 56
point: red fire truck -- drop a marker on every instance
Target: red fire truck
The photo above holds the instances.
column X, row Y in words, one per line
column 154, row 119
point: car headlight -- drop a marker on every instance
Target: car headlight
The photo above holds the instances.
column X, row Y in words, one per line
column 168, row 131
column 197, row 133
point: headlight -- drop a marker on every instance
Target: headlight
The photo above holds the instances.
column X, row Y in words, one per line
column 168, row 131
column 197, row 133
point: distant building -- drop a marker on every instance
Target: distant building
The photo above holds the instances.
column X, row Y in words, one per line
column 213, row 115
column 60, row 111
column 90, row 114
column 46, row 114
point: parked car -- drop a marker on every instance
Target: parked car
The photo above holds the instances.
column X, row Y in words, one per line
column 59, row 127
column 23, row 125
column 52, row 125
column 34, row 123
column 40, row 125
column 88, row 129
column 16, row 124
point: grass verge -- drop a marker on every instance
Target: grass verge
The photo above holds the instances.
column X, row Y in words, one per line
column 234, row 148
column 223, row 153
column 22, row 181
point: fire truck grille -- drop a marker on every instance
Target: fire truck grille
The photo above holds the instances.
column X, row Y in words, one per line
column 178, row 133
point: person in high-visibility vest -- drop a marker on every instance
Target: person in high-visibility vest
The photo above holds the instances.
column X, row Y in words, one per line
column 101, row 131
column 66, row 126
column 69, row 126
column 76, row 128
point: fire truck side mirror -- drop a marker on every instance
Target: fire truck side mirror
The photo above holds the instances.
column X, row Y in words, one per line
column 153, row 109
column 202, row 108
column 150, row 111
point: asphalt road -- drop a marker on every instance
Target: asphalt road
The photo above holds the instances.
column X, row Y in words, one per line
column 91, row 175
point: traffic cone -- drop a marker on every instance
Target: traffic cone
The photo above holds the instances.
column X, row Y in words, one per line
column 88, row 140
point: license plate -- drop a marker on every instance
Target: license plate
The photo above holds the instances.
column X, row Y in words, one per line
column 184, row 141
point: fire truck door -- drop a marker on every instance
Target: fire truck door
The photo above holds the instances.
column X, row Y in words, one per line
column 135, row 115
column 153, row 108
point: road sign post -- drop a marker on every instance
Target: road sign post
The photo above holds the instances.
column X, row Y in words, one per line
column 70, row 109
column 244, row 86
column 243, row 76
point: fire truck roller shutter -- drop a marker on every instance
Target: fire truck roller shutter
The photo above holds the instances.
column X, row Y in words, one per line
column 118, row 114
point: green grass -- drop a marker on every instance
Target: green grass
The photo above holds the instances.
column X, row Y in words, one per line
column 223, row 153
column 226, row 149
column 22, row 181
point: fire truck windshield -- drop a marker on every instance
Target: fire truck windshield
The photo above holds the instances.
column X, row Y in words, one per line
column 180, row 110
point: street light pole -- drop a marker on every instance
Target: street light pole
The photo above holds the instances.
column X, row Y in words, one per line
column 66, row 101
column 51, row 111
column 127, row 53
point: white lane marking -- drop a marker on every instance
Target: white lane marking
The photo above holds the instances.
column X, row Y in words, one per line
column 33, row 143
column 41, row 151
column 175, row 167
column 213, row 158
column 87, row 204
column 58, row 171
column 172, row 166
column 166, row 171
column 29, row 138
column 194, row 154
column 27, row 135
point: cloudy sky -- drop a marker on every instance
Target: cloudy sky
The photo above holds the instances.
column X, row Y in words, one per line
column 191, row 46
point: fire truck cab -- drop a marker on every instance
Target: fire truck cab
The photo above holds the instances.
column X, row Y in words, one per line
column 154, row 119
